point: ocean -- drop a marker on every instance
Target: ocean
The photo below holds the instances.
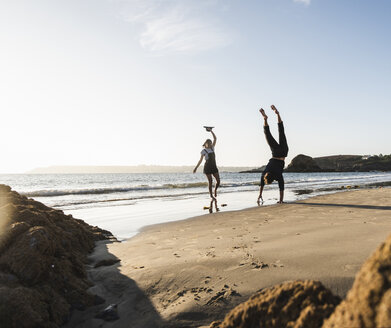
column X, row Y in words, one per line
column 124, row 203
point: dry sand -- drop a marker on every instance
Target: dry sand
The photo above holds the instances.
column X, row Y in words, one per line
column 191, row 272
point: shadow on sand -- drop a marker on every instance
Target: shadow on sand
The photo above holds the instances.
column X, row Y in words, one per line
column 368, row 207
column 134, row 307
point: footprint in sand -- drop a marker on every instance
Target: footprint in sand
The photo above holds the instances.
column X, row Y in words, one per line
column 260, row 265
column 210, row 254
column 254, row 262
column 277, row 264
column 196, row 291
column 223, row 296
column 240, row 247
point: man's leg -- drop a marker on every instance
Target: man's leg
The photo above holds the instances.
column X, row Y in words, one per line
column 269, row 138
column 281, row 132
column 277, row 113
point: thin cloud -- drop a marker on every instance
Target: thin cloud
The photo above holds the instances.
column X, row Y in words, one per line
column 173, row 26
column 306, row 2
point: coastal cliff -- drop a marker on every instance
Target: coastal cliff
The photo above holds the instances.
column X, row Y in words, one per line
column 340, row 163
column 43, row 253
column 335, row 163
column 303, row 163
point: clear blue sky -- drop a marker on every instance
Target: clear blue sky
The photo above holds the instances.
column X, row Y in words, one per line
column 127, row 82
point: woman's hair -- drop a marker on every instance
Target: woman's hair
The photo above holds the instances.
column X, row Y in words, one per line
column 209, row 142
column 268, row 178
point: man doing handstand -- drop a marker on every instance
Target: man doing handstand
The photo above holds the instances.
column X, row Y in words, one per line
column 274, row 168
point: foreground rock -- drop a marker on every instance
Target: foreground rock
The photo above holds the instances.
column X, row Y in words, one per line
column 42, row 262
column 308, row 304
column 368, row 303
column 292, row 304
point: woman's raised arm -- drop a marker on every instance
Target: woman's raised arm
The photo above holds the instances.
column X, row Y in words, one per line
column 214, row 138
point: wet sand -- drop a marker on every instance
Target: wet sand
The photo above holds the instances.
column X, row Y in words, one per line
column 191, row 272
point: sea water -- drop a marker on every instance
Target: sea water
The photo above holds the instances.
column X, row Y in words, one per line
column 124, row 203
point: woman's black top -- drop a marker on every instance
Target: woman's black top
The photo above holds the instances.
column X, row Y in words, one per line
column 210, row 161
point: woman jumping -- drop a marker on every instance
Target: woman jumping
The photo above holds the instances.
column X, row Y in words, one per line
column 210, row 167
column 274, row 168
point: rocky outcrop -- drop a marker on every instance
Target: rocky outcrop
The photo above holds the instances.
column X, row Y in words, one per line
column 336, row 163
column 368, row 303
column 42, row 262
column 340, row 163
column 308, row 304
column 292, row 304
column 303, row 163
column 374, row 163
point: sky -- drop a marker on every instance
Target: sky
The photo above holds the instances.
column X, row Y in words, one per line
column 128, row 82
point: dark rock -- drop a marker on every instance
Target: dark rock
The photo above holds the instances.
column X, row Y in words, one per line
column 109, row 314
column 303, row 191
column 107, row 262
column 309, row 304
column 42, row 262
column 368, row 303
column 303, row 163
column 296, row 304
column 340, row 163
column 354, row 163
column 98, row 300
column 23, row 307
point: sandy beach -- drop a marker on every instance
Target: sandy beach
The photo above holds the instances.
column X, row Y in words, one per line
column 191, row 272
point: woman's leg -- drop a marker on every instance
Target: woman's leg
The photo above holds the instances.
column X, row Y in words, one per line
column 210, row 183
column 217, row 177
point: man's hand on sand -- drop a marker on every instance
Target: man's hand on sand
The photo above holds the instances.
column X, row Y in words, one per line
column 195, row 170
column 260, row 200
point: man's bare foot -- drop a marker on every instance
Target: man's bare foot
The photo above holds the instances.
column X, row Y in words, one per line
column 275, row 109
column 262, row 111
